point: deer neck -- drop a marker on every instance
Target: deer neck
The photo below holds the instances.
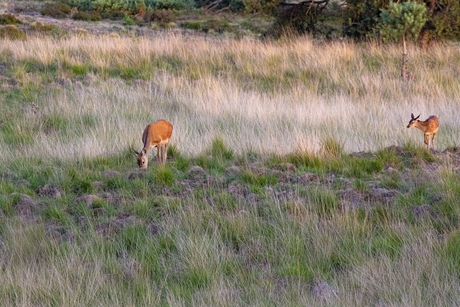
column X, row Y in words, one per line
column 422, row 125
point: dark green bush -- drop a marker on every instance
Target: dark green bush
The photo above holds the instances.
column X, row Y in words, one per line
column 9, row 19
column 13, row 33
column 445, row 20
column 293, row 19
column 88, row 16
column 113, row 15
column 56, row 10
column 163, row 16
column 256, row 6
column 252, row 6
column 178, row 5
column 128, row 21
column 131, row 7
column 361, row 19
column 215, row 25
column 237, row 5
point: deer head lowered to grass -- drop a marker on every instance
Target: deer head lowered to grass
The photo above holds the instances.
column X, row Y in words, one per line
column 157, row 134
column 429, row 127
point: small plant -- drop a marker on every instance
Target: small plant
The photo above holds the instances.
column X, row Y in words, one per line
column 388, row 243
column 450, row 254
column 56, row 213
column 225, row 201
column 77, row 182
column 417, row 155
column 219, row 150
column 55, row 124
column 393, row 181
column 358, row 167
column 133, row 236
column 127, row 20
column 164, row 176
column 259, row 180
column 305, row 160
column 401, row 21
column 141, row 208
column 331, row 148
column 12, row 32
column 80, row 69
column 17, row 135
column 324, row 201
column 6, row 205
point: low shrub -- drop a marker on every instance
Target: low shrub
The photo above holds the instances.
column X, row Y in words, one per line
column 113, row 15
column 162, row 16
column 56, row 10
column 9, row 19
column 12, row 32
column 192, row 25
column 128, row 21
column 216, row 25
column 42, row 27
column 177, row 5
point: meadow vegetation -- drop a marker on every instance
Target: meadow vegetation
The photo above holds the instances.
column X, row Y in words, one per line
column 291, row 176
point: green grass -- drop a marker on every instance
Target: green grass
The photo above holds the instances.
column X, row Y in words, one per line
column 158, row 248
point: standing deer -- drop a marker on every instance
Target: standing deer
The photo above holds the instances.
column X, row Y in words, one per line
column 157, row 134
column 429, row 127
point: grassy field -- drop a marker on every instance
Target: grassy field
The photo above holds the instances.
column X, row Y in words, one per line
column 292, row 178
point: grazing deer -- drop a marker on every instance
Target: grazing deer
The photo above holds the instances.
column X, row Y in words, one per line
column 429, row 126
column 157, row 134
column 73, row 12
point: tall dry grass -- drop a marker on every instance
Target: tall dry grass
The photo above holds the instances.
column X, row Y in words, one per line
column 265, row 97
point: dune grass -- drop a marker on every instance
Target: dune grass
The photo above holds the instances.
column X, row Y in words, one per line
column 253, row 207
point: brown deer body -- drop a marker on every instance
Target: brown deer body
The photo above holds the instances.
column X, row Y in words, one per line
column 157, row 134
column 429, row 127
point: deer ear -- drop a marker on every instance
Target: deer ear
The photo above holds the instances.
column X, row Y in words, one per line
column 136, row 152
column 418, row 116
column 412, row 115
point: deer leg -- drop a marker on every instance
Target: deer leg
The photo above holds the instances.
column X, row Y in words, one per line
column 159, row 153
column 163, row 149
column 432, row 141
column 166, row 152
